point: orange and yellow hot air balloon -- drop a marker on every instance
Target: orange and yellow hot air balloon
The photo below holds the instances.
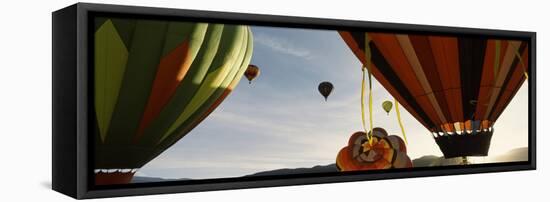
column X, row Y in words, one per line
column 384, row 152
column 251, row 73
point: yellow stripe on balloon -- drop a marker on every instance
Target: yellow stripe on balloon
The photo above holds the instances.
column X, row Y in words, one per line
column 212, row 82
column 246, row 61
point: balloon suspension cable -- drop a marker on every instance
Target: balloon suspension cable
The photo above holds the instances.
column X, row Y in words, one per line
column 522, row 64
column 370, row 105
column 363, row 104
column 399, row 120
column 367, row 68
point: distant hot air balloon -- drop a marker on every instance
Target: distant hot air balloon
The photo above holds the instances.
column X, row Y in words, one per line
column 154, row 82
column 325, row 88
column 385, row 152
column 457, row 87
column 251, row 72
column 387, row 105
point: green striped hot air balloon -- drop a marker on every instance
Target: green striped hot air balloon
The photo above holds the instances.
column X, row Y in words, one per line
column 154, row 82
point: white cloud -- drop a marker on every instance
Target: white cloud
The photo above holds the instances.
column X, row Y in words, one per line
column 282, row 46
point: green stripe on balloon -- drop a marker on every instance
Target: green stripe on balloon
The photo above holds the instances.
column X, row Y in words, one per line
column 110, row 62
column 172, row 68
column 188, row 86
column 242, row 63
column 210, row 105
column 176, row 35
column 246, row 60
column 222, row 66
column 145, row 54
column 178, row 32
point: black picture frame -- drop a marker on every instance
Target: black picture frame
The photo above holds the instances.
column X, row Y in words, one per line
column 71, row 70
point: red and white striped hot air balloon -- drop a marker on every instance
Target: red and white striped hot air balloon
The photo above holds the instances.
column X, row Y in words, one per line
column 456, row 86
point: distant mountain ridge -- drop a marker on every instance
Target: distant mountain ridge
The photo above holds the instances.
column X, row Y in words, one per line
column 143, row 179
column 518, row 154
column 514, row 155
column 289, row 171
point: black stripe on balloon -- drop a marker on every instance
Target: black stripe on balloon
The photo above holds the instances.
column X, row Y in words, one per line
column 386, row 70
column 471, row 55
column 359, row 38
column 384, row 67
column 506, row 82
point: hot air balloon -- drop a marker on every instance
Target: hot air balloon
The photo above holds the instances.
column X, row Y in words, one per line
column 154, row 82
column 251, row 73
column 457, row 87
column 325, row 88
column 387, row 105
column 385, row 152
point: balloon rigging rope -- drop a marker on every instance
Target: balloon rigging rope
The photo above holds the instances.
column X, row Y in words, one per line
column 369, row 135
column 363, row 102
column 370, row 106
column 522, row 64
column 399, row 120
column 366, row 67
column 497, row 58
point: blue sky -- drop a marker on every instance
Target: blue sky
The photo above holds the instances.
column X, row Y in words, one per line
column 281, row 120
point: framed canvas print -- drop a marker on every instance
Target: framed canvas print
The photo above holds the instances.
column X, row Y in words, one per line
column 156, row 100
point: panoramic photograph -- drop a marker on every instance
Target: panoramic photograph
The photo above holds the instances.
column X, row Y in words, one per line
column 176, row 100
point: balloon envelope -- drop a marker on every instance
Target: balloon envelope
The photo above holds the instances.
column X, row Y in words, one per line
column 444, row 81
column 156, row 80
column 387, row 105
column 252, row 72
column 385, row 152
column 452, row 85
column 325, row 88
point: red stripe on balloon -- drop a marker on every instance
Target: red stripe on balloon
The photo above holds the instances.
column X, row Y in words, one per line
column 171, row 70
column 360, row 54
